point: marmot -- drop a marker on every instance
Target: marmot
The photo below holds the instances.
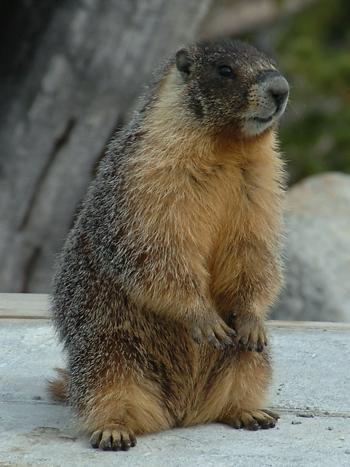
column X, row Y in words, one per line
column 165, row 279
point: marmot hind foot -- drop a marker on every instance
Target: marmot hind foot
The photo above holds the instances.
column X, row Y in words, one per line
column 113, row 437
column 252, row 419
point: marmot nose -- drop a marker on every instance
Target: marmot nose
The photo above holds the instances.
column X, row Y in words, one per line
column 278, row 88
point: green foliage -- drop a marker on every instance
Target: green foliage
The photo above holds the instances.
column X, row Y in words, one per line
column 314, row 52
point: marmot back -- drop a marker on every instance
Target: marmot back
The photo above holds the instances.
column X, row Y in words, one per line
column 165, row 279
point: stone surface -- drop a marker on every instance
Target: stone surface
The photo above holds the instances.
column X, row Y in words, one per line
column 317, row 251
column 311, row 378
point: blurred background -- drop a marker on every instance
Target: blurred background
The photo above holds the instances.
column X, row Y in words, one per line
column 71, row 72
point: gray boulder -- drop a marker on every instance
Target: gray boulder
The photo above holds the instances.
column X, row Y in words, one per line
column 317, row 251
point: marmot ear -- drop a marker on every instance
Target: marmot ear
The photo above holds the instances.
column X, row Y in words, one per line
column 183, row 61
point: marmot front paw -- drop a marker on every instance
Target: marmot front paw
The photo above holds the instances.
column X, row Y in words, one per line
column 250, row 332
column 212, row 329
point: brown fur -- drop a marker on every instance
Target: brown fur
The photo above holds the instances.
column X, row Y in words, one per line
column 240, row 276
column 209, row 204
column 226, row 227
column 58, row 386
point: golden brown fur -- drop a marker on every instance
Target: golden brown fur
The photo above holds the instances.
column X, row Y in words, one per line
column 225, row 228
column 58, row 386
column 209, row 204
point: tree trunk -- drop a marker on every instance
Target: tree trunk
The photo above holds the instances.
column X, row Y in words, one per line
column 72, row 88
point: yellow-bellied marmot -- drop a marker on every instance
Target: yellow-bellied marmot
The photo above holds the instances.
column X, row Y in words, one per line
column 165, row 279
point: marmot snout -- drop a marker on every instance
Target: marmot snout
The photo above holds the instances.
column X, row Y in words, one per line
column 165, row 279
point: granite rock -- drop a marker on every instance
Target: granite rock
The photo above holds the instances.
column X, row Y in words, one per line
column 317, row 251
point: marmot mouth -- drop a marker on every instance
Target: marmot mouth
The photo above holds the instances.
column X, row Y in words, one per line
column 264, row 120
column 277, row 113
column 255, row 125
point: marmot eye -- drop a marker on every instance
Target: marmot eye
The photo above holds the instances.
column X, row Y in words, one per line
column 226, row 71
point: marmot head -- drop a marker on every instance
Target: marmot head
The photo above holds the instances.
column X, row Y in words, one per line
column 229, row 84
